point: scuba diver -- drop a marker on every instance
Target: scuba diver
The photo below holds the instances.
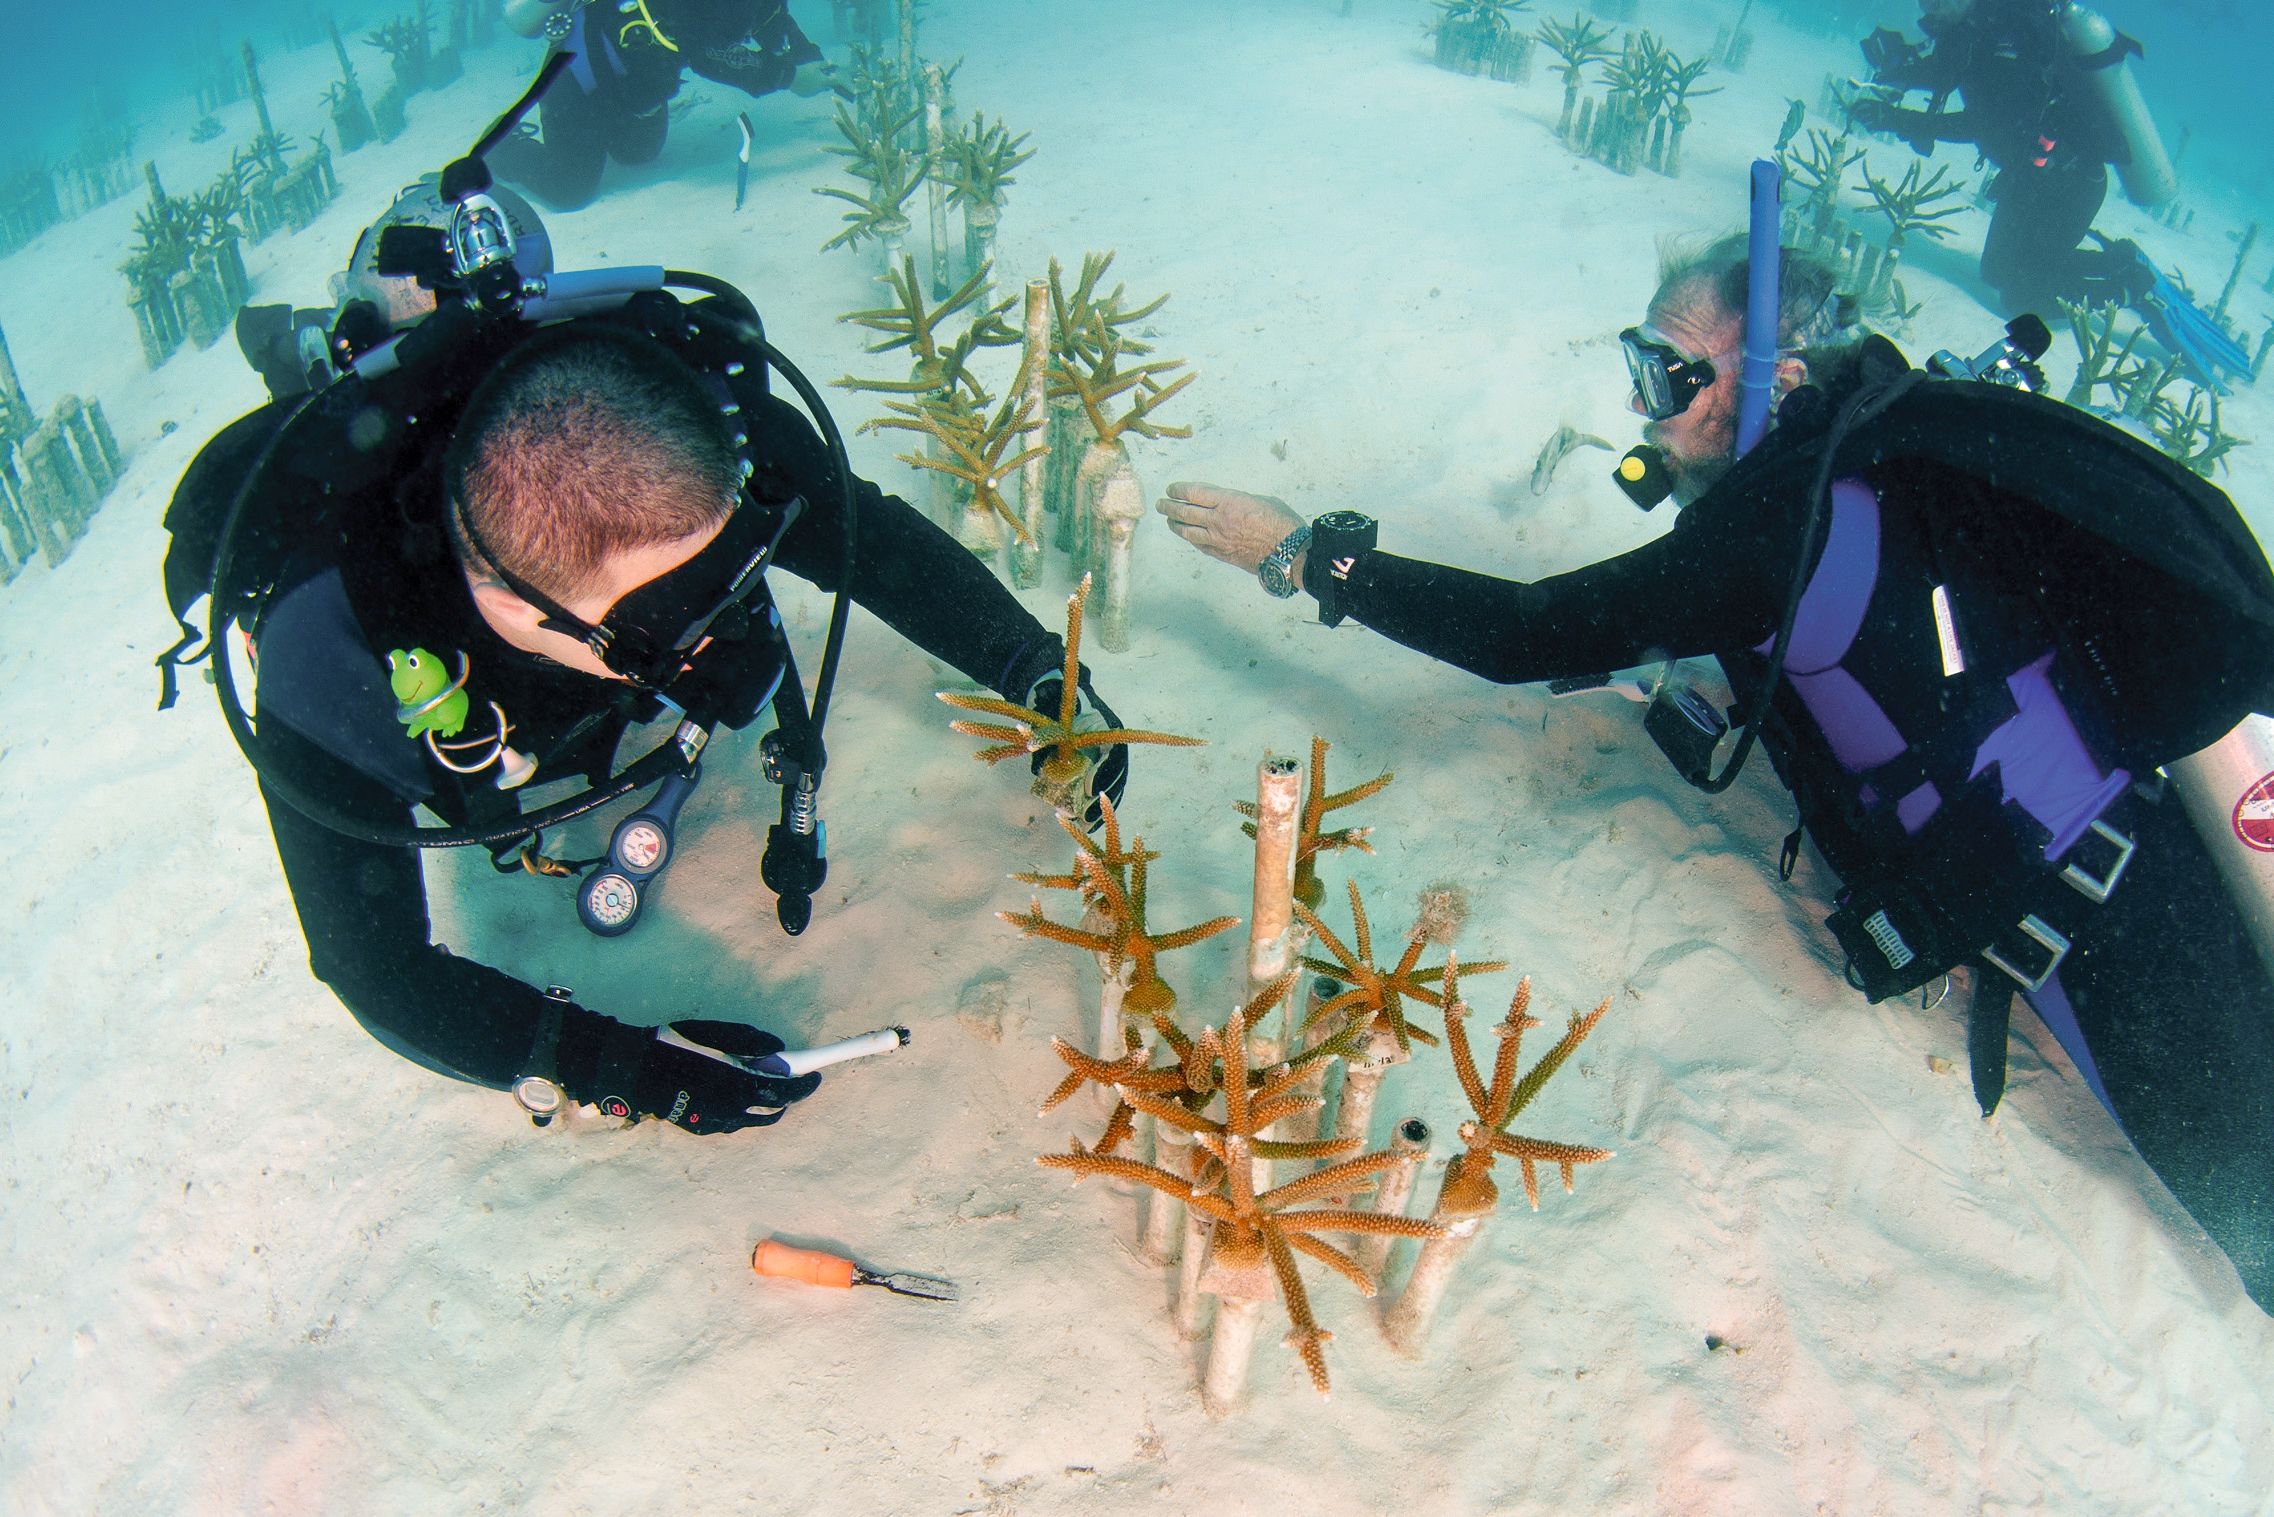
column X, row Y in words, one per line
column 2048, row 98
column 497, row 515
column 2000, row 613
column 627, row 60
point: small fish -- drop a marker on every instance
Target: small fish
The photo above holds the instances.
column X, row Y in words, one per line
column 742, row 159
column 1567, row 440
column 1796, row 114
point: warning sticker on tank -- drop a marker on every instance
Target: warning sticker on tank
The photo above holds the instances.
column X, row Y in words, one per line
column 2254, row 815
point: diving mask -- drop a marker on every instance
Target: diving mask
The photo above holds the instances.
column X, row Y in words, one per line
column 652, row 631
column 1665, row 379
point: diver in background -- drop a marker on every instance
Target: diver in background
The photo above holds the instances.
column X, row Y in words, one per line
column 629, row 57
column 2109, row 624
column 2046, row 95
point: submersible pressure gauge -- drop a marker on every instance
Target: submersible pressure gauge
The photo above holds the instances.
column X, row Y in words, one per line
column 611, row 900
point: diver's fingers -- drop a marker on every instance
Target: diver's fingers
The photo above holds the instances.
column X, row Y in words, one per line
column 1193, row 492
column 1196, row 533
column 1183, row 512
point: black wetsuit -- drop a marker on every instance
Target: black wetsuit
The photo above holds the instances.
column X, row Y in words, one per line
column 327, row 725
column 2027, row 106
column 614, row 101
column 2175, row 1006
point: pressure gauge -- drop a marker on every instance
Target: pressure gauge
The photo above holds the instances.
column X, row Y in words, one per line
column 641, row 845
column 609, row 903
column 638, row 850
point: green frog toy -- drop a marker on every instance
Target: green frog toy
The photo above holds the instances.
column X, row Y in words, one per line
column 427, row 698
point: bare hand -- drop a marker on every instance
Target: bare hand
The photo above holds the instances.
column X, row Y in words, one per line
column 1230, row 525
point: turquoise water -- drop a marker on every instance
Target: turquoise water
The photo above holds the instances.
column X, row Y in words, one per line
column 262, row 1264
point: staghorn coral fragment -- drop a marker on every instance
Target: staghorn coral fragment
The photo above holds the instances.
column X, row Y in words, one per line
column 1468, row 1195
column 1030, row 731
column 1376, row 995
column 976, row 449
column 1124, row 937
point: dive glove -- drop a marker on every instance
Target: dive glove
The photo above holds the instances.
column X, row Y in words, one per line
column 1109, row 766
column 715, row 1093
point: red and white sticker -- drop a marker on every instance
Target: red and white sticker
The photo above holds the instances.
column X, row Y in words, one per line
column 2254, row 815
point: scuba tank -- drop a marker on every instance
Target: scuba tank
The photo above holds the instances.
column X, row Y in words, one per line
column 2228, row 790
column 2103, row 55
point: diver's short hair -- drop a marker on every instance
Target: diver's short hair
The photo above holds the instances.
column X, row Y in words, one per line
column 583, row 444
column 1812, row 313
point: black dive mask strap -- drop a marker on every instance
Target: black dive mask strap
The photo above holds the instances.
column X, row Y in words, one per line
column 631, row 639
column 657, row 625
column 557, row 618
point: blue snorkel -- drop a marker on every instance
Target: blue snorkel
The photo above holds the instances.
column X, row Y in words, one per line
column 1756, row 382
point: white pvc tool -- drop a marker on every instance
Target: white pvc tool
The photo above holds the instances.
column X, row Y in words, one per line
column 798, row 1061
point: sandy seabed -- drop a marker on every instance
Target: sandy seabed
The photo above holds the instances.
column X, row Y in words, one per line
column 258, row 1265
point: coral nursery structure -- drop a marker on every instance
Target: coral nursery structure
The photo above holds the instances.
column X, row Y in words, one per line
column 1217, row 1104
column 1098, row 401
column 54, row 472
column 1645, row 108
column 1312, row 838
column 1468, row 1195
column 1254, row 1236
column 1481, row 37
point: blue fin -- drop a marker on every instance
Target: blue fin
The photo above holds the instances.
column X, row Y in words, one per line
column 2181, row 325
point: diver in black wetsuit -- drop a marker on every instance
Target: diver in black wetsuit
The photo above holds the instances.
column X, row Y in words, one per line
column 615, row 101
column 575, row 518
column 1977, row 672
column 2042, row 115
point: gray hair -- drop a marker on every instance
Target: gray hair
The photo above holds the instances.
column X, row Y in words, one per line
column 1812, row 313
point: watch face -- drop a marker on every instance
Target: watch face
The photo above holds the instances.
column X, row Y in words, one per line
column 538, row 1096
column 1343, row 521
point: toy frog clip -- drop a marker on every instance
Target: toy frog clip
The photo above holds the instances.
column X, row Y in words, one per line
column 430, row 701
column 427, row 699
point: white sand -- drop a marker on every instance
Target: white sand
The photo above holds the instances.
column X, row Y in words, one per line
column 258, row 1265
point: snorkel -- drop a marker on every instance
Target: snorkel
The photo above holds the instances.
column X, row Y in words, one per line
column 1764, row 265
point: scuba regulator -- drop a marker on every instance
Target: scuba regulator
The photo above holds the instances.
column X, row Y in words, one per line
column 480, row 291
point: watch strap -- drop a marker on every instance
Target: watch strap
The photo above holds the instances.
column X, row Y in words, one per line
column 1336, row 548
column 1277, row 571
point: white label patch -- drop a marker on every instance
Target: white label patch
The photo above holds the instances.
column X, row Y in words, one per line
column 1946, row 633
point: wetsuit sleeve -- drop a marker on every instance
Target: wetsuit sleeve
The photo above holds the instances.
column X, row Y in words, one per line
column 362, row 908
column 1700, row 589
column 908, row 573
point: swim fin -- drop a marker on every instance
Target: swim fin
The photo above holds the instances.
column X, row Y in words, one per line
column 2176, row 321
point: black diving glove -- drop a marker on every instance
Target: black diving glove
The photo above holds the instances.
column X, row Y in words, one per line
column 1914, row 127
column 1109, row 766
column 710, row 1093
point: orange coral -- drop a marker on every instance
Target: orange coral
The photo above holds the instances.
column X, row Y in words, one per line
column 1375, row 993
column 1496, row 1104
column 1251, row 1230
column 1065, row 769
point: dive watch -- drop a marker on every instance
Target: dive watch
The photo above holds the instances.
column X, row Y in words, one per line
column 538, row 1089
column 1277, row 571
column 1338, row 540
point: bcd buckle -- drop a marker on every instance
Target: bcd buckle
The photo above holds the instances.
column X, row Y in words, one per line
column 2079, row 879
column 2045, row 937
